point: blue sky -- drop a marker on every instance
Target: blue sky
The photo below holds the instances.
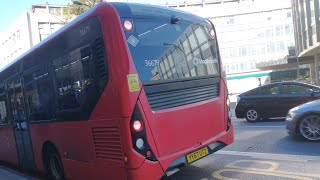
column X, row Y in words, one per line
column 11, row 9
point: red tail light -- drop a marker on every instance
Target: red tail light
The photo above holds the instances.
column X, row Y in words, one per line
column 127, row 25
column 137, row 125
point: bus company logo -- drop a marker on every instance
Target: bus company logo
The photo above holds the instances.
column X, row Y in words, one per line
column 197, row 62
column 84, row 30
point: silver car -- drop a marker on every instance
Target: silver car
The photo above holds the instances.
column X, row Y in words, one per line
column 304, row 120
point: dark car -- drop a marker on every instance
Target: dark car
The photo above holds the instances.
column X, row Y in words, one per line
column 304, row 120
column 274, row 100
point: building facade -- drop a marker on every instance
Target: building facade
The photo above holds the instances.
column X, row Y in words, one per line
column 306, row 20
column 28, row 30
column 249, row 32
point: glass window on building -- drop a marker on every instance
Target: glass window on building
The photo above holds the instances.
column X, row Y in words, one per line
column 262, row 49
column 237, row 67
column 233, row 52
column 305, row 15
column 312, row 12
column 39, row 9
column 230, row 20
column 18, row 35
column 269, row 32
column 319, row 9
column 46, row 29
column 227, row 68
column 288, row 14
column 242, row 51
column 287, row 29
column 243, row 67
column 252, row 50
column 279, row 30
column 270, row 48
column 252, row 65
column 54, row 27
column 282, row 46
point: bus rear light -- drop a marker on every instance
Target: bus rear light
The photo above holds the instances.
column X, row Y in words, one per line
column 139, row 135
column 140, row 143
column 137, row 125
column 228, row 102
column 148, row 153
column 127, row 25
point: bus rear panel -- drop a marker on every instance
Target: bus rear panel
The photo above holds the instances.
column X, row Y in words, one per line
column 183, row 97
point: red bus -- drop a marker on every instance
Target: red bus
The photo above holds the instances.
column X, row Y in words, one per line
column 124, row 91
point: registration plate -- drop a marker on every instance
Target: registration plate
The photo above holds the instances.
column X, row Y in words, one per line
column 197, row 154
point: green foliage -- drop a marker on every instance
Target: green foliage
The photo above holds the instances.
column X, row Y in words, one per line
column 71, row 11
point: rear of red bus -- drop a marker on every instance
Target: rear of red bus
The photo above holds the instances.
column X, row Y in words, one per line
column 181, row 114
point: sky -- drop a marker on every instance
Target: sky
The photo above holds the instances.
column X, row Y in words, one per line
column 12, row 9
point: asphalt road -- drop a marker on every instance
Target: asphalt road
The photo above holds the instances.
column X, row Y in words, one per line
column 261, row 151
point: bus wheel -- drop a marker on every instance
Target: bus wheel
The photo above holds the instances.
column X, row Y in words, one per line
column 54, row 165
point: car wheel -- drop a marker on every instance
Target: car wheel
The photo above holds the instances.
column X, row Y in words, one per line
column 252, row 115
column 309, row 127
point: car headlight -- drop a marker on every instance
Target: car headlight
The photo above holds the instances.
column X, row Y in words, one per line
column 290, row 115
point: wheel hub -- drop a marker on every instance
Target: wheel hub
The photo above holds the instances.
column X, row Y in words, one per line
column 310, row 128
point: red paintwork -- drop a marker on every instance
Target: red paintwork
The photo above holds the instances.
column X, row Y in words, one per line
column 8, row 151
column 171, row 133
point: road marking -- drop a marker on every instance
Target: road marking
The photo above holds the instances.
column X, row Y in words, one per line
column 271, row 171
column 243, row 126
column 271, row 156
column 236, row 165
column 217, row 174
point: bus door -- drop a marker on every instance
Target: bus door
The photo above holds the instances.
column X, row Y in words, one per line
column 20, row 124
column 7, row 142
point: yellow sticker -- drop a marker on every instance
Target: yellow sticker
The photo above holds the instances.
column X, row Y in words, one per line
column 133, row 82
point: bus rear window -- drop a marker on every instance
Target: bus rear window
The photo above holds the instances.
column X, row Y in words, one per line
column 165, row 51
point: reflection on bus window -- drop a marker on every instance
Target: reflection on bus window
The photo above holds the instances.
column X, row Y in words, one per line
column 73, row 75
column 173, row 51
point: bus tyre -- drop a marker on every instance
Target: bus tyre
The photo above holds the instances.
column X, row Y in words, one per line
column 252, row 115
column 54, row 165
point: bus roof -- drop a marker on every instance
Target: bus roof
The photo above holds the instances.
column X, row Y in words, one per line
column 52, row 36
column 136, row 9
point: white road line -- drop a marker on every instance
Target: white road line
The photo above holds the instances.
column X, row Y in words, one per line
column 259, row 127
column 286, row 157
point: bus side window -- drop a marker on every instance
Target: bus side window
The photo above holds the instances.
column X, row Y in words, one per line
column 39, row 95
column 72, row 77
column 4, row 109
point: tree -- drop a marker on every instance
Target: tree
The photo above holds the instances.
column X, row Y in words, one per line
column 65, row 15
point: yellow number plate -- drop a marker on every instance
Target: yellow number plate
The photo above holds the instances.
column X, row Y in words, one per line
column 197, row 154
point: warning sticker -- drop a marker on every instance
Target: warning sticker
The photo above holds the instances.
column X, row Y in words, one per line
column 133, row 82
column 133, row 40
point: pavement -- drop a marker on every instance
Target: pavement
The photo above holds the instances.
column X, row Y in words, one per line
column 261, row 150
column 12, row 174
